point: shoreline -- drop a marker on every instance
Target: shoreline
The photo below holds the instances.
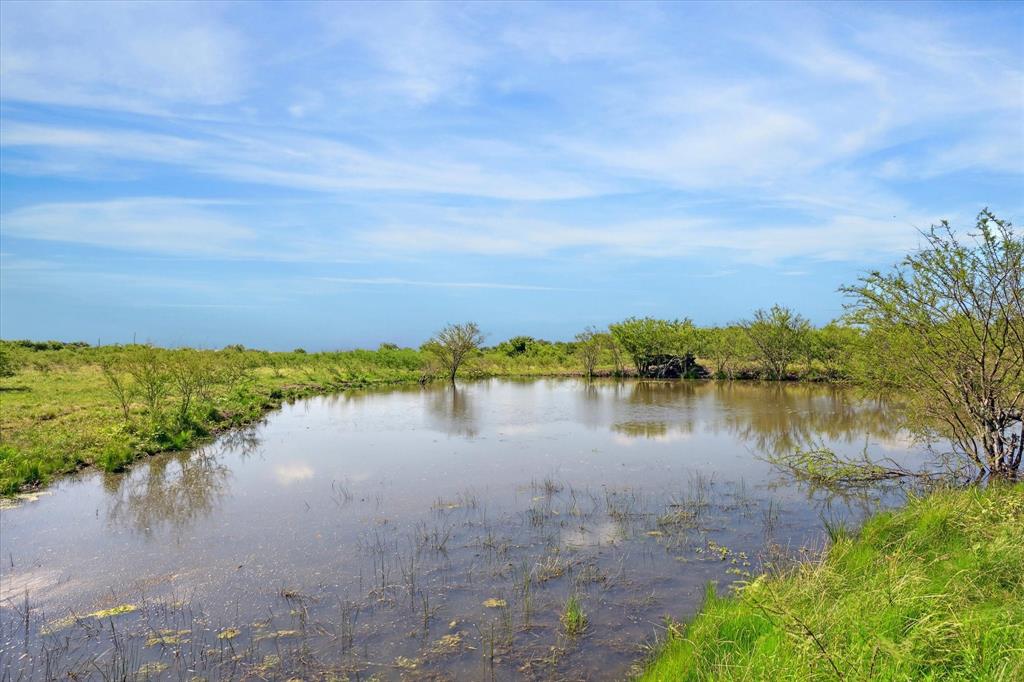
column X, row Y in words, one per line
column 132, row 442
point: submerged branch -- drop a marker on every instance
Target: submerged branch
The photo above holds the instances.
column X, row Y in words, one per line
column 822, row 466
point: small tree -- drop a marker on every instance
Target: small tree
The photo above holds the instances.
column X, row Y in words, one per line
column 120, row 385
column 946, row 327
column 193, row 375
column 148, row 368
column 779, row 336
column 589, row 344
column 724, row 346
column 453, row 344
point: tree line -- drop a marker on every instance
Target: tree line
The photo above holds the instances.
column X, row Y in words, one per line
column 774, row 344
column 944, row 328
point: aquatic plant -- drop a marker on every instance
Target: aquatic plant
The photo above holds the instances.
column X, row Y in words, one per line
column 574, row 621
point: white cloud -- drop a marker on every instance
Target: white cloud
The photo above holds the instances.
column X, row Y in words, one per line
column 151, row 224
column 137, row 56
column 417, row 49
column 803, row 117
column 829, row 235
column 303, row 161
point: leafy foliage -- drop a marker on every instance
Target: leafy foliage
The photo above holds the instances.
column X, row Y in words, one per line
column 779, row 336
column 645, row 339
column 946, row 329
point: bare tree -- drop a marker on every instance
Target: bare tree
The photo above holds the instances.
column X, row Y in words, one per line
column 453, row 344
column 946, row 329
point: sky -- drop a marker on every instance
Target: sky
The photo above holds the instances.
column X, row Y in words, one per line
column 336, row 175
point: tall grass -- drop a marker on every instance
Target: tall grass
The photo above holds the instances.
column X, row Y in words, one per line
column 934, row 591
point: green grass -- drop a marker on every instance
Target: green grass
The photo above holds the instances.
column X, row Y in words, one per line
column 934, row 591
column 57, row 414
column 574, row 620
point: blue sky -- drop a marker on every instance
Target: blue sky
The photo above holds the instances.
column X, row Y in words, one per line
column 336, row 175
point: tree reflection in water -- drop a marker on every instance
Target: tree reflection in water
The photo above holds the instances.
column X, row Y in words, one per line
column 777, row 418
column 173, row 490
column 450, row 410
column 770, row 417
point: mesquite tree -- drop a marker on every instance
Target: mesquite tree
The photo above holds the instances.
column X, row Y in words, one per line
column 779, row 337
column 589, row 344
column 946, row 329
column 453, row 344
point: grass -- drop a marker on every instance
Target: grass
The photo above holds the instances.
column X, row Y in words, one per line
column 57, row 413
column 934, row 591
column 574, row 620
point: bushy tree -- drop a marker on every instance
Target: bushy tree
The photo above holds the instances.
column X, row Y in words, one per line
column 646, row 339
column 725, row 347
column 518, row 345
column 453, row 344
column 832, row 347
column 193, row 374
column 946, row 328
column 779, row 337
column 152, row 381
column 589, row 344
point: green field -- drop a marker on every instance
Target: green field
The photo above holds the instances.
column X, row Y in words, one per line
column 934, row 591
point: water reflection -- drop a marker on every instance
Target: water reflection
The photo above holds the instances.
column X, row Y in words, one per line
column 665, row 393
column 174, row 490
column 776, row 418
column 451, row 411
column 770, row 418
column 168, row 491
column 652, row 430
column 293, row 472
column 358, row 507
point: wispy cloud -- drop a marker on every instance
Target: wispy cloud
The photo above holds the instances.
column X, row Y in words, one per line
column 142, row 56
column 398, row 282
column 166, row 225
column 670, row 145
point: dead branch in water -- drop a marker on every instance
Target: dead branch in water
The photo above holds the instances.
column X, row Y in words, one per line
column 822, row 466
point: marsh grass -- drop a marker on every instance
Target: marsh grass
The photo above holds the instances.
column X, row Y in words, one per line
column 932, row 591
column 574, row 620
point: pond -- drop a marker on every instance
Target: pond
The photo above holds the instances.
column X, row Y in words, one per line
column 427, row 532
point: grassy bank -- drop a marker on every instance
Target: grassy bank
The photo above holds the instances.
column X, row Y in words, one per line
column 932, row 591
column 58, row 413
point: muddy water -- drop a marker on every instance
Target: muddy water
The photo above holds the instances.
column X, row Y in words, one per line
column 424, row 533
